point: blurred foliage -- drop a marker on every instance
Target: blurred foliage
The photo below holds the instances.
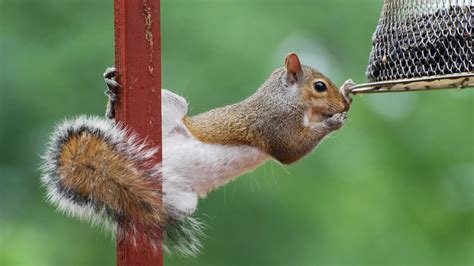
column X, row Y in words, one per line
column 394, row 187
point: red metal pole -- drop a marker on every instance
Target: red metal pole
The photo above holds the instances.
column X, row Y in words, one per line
column 138, row 61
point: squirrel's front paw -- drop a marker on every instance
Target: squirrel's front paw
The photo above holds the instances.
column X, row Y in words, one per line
column 336, row 121
column 346, row 90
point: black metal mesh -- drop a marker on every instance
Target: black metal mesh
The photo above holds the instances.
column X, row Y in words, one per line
column 420, row 38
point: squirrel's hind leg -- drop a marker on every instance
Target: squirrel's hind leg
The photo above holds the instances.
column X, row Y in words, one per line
column 182, row 232
column 179, row 204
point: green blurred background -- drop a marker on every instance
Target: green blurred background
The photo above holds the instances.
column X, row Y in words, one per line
column 394, row 187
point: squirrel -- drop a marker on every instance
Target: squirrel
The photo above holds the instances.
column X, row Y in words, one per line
column 97, row 170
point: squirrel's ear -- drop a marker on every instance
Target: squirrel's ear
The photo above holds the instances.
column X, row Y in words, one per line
column 293, row 67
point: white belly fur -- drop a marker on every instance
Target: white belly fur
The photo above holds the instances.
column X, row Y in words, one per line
column 191, row 168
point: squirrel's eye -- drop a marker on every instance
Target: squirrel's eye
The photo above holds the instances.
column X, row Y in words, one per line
column 319, row 86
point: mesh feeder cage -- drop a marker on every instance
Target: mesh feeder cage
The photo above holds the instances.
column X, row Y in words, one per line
column 420, row 45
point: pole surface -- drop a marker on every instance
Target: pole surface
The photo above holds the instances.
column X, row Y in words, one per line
column 138, row 63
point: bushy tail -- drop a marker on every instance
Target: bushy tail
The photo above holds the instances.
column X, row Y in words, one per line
column 97, row 171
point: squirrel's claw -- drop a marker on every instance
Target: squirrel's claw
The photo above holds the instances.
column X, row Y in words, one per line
column 346, row 90
column 111, row 95
column 110, row 72
column 111, row 92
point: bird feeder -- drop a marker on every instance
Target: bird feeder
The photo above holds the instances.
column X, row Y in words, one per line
column 420, row 45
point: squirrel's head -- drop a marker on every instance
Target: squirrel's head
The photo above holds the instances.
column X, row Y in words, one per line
column 294, row 99
column 314, row 89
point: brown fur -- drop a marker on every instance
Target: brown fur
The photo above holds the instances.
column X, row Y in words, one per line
column 92, row 168
column 272, row 118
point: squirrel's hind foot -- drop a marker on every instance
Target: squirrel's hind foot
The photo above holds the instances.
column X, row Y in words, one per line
column 112, row 88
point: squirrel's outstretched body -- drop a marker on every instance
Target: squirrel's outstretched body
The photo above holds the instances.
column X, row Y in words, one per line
column 97, row 170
